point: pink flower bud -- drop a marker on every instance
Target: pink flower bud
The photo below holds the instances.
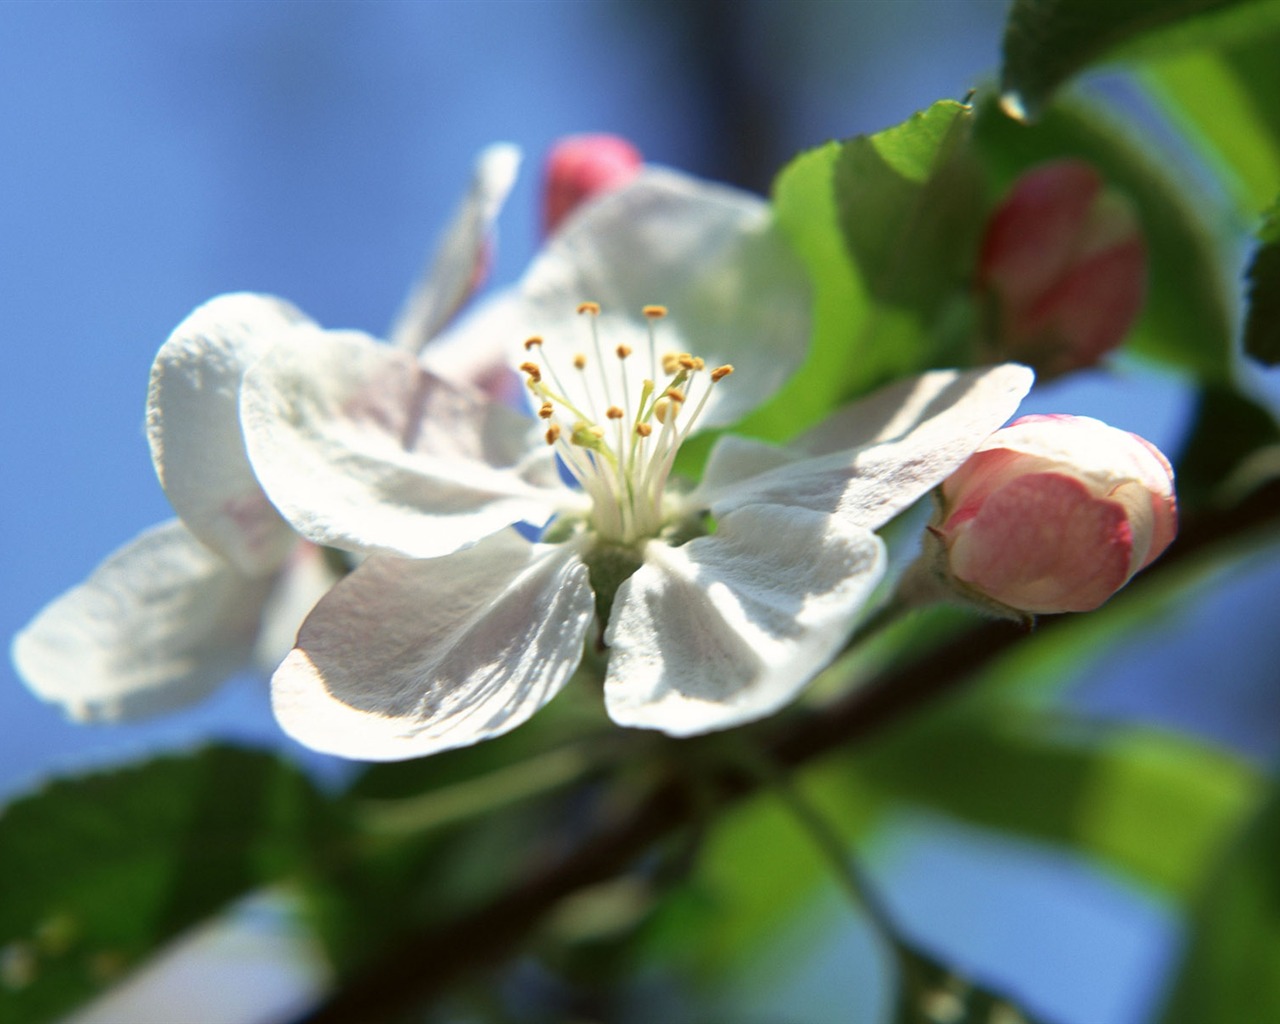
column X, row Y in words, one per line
column 1054, row 514
column 1064, row 264
column 581, row 166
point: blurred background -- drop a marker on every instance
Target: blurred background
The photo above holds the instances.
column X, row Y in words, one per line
column 155, row 155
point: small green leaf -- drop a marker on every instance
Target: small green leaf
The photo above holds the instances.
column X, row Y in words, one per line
column 1231, row 970
column 1262, row 322
column 1186, row 322
column 98, row 872
column 1046, row 42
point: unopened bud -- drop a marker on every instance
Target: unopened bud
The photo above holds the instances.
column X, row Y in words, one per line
column 580, row 167
column 1064, row 267
column 1052, row 514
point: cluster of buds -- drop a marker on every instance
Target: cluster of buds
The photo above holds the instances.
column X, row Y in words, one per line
column 1062, row 269
column 1051, row 514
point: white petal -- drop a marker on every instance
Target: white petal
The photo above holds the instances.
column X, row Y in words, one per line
column 876, row 457
column 193, row 425
column 158, row 625
column 361, row 448
column 735, row 290
column 462, row 253
column 406, row 658
column 305, row 577
column 729, row 628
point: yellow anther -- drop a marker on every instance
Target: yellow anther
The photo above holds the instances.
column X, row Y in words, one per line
column 623, row 351
column 654, row 312
column 532, row 369
column 721, row 372
column 670, row 363
column 580, row 361
column 663, row 408
column 643, row 429
column 675, row 394
column 614, row 413
column 589, row 307
column 546, row 410
column 533, row 342
column 687, row 362
column 553, row 433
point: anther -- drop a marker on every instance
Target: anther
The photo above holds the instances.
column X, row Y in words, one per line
column 686, row 361
column 580, row 361
column 663, row 408
column 614, row 413
column 532, row 343
column 654, row 312
column 670, row 363
column 546, row 410
column 553, row 433
column 675, row 394
column 721, row 372
column 643, row 429
column 623, row 351
column 589, row 307
column 535, row 374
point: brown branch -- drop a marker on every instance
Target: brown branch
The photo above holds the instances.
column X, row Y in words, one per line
column 425, row 963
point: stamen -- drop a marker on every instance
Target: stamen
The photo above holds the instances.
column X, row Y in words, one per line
column 675, row 394
column 721, row 372
column 589, row 307
column 623, row 351
column 553, row 433
column 546, row 410
column 643, row 429
column 532, row 343
column 654, row 312
column 670, row 363
column 580, row 361
column 532, row 369
column 662, row 409
column 614, row 413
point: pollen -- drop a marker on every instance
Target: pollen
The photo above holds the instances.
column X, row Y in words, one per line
column 619, row 441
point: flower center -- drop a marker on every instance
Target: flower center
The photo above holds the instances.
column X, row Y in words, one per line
column 620, row 441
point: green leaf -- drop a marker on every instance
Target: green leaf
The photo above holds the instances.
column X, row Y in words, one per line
column 98, row 872
column 1228, row 427
column 1153, row 805
column 1231, row 969
column 1227, row 100
column 1186, row 322
column 886, row 225
column 1262, row 322
column 1046, row 42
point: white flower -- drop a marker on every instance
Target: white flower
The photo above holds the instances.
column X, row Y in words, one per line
column 174, row 612
column 721, row 601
